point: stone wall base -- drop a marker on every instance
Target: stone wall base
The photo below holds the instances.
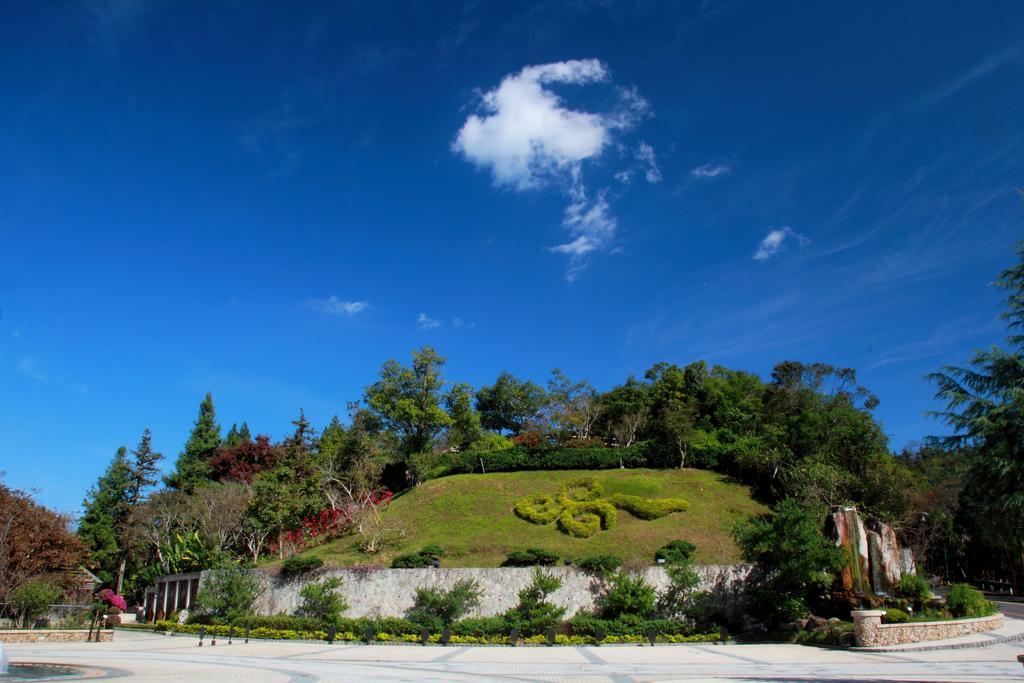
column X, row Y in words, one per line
column 871, row 632
column 54, row 635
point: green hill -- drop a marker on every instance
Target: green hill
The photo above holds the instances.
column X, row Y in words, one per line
column 471, row 517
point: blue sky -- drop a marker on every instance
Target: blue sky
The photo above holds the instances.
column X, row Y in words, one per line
column 267, row 201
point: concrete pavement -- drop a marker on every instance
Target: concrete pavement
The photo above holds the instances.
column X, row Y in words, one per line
column 147, row 657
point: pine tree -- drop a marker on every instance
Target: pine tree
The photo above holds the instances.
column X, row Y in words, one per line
column 193, row 466
column 985, row 407
column 233, row 439
column 244, row 434
column 142, row 475
column 106, row 509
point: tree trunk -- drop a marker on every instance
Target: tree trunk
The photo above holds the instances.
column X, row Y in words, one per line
column 120, row 574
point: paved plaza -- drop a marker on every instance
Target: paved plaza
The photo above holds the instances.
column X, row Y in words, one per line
column 148, row 657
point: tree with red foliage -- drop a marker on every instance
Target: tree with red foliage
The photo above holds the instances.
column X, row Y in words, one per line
column 244, row 461
column 35, row 542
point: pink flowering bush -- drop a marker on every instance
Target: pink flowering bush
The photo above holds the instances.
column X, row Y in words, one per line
column 113, row 601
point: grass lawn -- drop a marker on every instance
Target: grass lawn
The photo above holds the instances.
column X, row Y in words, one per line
column 470, row 516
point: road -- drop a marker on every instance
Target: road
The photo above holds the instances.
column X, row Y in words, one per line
column 145, row 657
column 1010, row 609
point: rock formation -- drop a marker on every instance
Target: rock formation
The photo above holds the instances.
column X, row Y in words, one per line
column 874, row 559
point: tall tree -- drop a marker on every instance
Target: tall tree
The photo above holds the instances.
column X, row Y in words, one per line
column 985, row 408
column 34, row 543
column 509, row 404
column 408, row 399
column 193, row 466
column 105, row 512
column 464, row 428
column 142, row 476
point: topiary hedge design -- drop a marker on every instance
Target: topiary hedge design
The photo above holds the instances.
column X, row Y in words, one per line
column 580, row 510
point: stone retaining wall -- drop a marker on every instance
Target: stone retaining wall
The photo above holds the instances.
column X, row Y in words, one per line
column 54, row 635
column 390, row 592
column 869, row 630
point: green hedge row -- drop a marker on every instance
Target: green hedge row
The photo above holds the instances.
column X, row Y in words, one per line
column 516, row 459
column 582, row 629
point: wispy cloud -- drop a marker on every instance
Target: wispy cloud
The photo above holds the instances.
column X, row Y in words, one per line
column 710, row 170
column 944, row 91
column 529, row 139
column 110, row 21
column 773, row 241
column 332, row 305
column 425, row 322
column 986, row 66
column 27, row 367
column 646, row 156
column 462, row 324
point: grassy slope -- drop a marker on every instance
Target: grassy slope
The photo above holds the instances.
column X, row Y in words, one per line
column 471, row 517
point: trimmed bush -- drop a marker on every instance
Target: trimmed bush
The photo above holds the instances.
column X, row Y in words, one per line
column 518, row 458
column 599, row 564
column 648, row 508
column 579, row 491
column 579, row 524
column 530, row 557
column 896, row 616
column 676, row 552
column 418, row 560
column 300, row 564
column 538, row 509
column 964, row 600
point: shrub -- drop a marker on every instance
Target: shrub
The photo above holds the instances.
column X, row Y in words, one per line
column 412, row 561
column 896, row 616
column 539, row 509
column 648, row 508
column 32, row 599
column 436, row 609
column 534, row 614
column 321, row 601
column 229, row 593
column 913, row 587
column 530, row 557
column 793, row 561
column 424, row 558
column 964, row 600
column 300, row 564
column 676, row 552
column 600, row 564
column 626, row 595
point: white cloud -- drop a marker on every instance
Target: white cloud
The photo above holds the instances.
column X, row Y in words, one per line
column 528, row 138
column 710, row 170
column 424, row 322
column 332, row 305
column 525, row 134
column 462, row 324
column 772, row 242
